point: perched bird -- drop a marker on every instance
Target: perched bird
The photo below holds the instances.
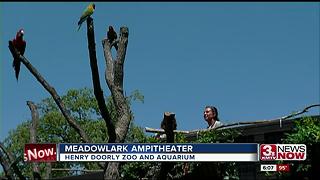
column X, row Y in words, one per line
column 112, row 35
column 20, row 45
column 86, row 13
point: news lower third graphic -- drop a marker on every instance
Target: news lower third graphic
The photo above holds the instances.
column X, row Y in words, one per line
column 219, row 152
column 208, row 152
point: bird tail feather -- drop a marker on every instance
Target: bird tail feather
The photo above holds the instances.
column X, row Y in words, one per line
column 16, row 65
column 82, row 19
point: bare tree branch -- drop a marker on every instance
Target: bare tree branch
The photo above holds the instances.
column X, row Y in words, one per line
column 9, row 162
column 96, row 82
column 110, row 169
column 272, row 120
column 52, row 91
column 122, row 50
column 298, row 113
column 33, row 135
column 34, row 123
column 109, row 73
column 161, row 131
column 114, row 77
column 6, row 166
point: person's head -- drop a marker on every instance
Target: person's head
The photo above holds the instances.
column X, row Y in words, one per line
column 210, row 114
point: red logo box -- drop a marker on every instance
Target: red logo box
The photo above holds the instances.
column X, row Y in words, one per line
column 40, row 152
column 268, row 152
column 283, row 167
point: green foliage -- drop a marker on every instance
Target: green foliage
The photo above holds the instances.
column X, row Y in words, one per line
column 307, row 131
column 136, row 170
column 152, row 139
column 218, row 136
column 180, row 138
column 136, row 96
column 16, row 142
column 135, row 135
column 81, row 104
column 83, row 107
column 53, row 128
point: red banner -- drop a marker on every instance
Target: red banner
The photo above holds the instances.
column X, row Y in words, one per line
column 40, row 152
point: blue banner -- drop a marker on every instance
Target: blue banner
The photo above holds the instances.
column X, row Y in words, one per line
column 158, row 148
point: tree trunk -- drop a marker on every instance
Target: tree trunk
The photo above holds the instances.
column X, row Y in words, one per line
column 9, row 164
column 114, row 76
column 6, row 166
column 112, row 171
column 48, row 170
column 33, row 136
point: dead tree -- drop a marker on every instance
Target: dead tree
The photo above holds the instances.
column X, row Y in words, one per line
column 33, row 136
column 9, row 164
column 114, row 76
column 52, row 92
column 71, row 121
column 117, row 129
column 6, row 166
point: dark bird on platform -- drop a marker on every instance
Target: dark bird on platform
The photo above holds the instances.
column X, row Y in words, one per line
column 20, row 45
column 112, row 35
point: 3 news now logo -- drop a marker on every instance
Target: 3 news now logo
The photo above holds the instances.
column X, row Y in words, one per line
column 269, row 152
column 40, row 152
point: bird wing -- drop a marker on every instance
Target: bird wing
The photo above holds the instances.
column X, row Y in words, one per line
column 86, row 13
column 23, row 47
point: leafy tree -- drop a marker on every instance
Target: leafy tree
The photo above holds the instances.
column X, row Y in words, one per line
column 306, row 131
column 137, row 170
column 219, row 169
column 53, row 128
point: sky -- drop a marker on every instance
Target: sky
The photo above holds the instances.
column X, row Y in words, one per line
column 253, row 61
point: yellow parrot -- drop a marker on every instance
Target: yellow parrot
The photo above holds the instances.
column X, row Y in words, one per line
column 86, row 13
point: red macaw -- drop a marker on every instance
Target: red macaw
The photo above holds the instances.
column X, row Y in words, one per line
column 112, row 35
column 20, row 45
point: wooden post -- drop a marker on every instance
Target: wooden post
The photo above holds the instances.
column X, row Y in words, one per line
column 168, row 124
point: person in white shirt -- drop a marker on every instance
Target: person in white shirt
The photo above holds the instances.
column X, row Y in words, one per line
column 210, row 115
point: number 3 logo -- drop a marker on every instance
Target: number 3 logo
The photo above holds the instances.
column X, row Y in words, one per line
column 267, row 150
